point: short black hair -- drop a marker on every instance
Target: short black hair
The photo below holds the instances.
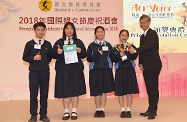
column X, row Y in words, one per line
column 123, row 31
column 39, row 24
column 98, row 28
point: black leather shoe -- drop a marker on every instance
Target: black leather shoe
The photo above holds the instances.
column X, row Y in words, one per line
column 97, row 114
column 144, row 114
column 66, row 117
column 73, row 115
column 44, row 119
column 147, row 113
column 102, row 114
column 151, row 116
column 33, row 119
column 123, row 114
column 128, row 115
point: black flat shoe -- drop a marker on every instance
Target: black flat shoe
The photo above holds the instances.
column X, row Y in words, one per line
column 123, row 114
column 128, row 115
column 66, row 117
column 102, row 114
column 97, row 114
column 73, row 117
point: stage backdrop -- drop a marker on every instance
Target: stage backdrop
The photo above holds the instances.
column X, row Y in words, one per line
column 17, row 18
column 16, row 21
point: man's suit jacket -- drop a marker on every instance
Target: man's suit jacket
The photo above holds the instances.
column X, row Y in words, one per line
column 149, row 51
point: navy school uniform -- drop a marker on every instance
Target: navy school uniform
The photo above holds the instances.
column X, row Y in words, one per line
column 125, row 76
column 100, row 75
column 38, row 75
column 69, row 80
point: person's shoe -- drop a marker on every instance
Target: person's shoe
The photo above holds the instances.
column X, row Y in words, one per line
column 97, row 114
column 33, row 119
column 144, row 114
column 44, row 118
column 151, row 116
column 128, row 115
column 73, row 115
column 147, row 113
column 123, row 114
column 66, row 116
column 102, row 114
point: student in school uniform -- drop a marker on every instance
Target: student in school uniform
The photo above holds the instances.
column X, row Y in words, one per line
column 38, row 52
column 101, row 81
column 125, row 76
column 69, row 80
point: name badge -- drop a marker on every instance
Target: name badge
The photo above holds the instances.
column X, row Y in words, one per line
column 37, row 46
column 104, row 48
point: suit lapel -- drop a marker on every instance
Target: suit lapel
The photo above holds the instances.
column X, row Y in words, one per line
column 144, row 38
column 148, row 32
column 141, row 39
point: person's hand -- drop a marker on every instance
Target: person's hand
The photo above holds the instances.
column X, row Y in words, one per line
column 131, row 50
column 37, row 57
column 78, row 50
column 122, row 53
column 100, row 51
column 141, row 67
column 59, row 50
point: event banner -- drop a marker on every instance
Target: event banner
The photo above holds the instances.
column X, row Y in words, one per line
column 169, row 20
column 16, row 28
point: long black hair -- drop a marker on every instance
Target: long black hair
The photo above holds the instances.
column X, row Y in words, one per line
column 74, row 32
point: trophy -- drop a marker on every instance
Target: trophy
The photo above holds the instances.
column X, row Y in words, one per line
column 120, row 47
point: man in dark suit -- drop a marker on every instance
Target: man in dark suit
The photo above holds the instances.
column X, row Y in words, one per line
column 149, row 63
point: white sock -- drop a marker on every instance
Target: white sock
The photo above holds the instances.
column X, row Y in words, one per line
column 122, row 109
column 128, row 109
column 74, row 110
column 66, row 111
column 102, row 109
column 98, row 109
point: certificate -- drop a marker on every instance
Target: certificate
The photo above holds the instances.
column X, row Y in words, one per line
column 70, row 54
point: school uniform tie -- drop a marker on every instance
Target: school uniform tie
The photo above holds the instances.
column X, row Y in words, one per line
column 69, row 42
column 100, row 46
column 39, row 42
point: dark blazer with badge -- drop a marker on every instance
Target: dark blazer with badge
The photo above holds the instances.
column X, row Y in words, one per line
column 45, row 52
column 97, row 60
